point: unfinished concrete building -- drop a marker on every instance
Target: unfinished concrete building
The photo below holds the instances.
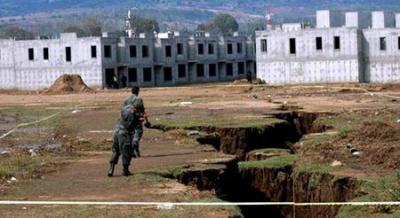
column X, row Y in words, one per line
column 338, row 49
column 34, row 64
column 382, row 49
column 161, row 59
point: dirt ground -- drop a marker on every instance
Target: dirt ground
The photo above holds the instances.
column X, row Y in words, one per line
column 74, row 145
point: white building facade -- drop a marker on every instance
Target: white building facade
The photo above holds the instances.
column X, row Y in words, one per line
column 147, row 60
column 37, row 64
column 382, row 49
column 336, row 50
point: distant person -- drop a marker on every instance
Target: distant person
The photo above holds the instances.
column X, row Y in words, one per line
column 137, row 103
column 122, row 137
column 248, row 76
column 123, row 81
column 115, row 82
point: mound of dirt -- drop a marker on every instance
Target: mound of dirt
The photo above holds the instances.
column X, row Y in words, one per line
column 68, row 83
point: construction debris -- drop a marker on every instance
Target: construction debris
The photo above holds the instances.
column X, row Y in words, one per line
column 12, row 180
column 355, row 152
column 336, row 163
column 76, row 111
column 32, row 152
column 185, row 103
column 5, row 152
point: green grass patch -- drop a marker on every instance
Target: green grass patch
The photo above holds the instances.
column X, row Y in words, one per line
column 273, row 162
column 227, row 122
column 343, row 123
column 175, row 171
column 344, row 130
column 310, row 142
column 271, row 150
column 395, row 215
column 169, row 171
column 25, row 166
column 386, row 188
column 354, row 211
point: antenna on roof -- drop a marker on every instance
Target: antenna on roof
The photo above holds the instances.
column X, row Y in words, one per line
column 129, row 29
column 268, row 16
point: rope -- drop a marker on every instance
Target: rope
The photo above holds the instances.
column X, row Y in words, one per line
column 28, row 124
column 172, row 204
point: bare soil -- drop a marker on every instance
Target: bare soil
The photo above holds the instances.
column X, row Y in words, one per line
column 379, row 141
column 86, row 134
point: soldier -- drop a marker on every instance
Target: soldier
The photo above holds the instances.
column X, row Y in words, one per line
column 137, row 102
column 248, row 76
column 122, row 140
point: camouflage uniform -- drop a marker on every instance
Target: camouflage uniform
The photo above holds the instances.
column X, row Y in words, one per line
column 122, row 139
column 137, row 102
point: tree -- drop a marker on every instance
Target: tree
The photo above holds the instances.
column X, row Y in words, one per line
column 207, row 27
column 17, row 33
column 89, row 27
column 144, row 24
column 222, row 23
column 92, row 27
column 225, row 23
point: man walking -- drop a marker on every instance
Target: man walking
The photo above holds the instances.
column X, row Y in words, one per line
column 137, row 103
column 122, row 140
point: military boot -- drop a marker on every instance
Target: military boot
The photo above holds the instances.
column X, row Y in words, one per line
column 111, row 170
column 126, row 171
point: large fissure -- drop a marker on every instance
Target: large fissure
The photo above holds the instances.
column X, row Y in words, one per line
column 237, row 180
column 240, row 141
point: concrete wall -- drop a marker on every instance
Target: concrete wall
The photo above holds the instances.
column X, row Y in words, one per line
column 397, row 21
column 19, row 72
column 328, row 19
column 7, row 67
column 382, row 65
column 309, row 65
column 366, row 54
column 382, row 19
column 190, row 58
column 352, row 19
